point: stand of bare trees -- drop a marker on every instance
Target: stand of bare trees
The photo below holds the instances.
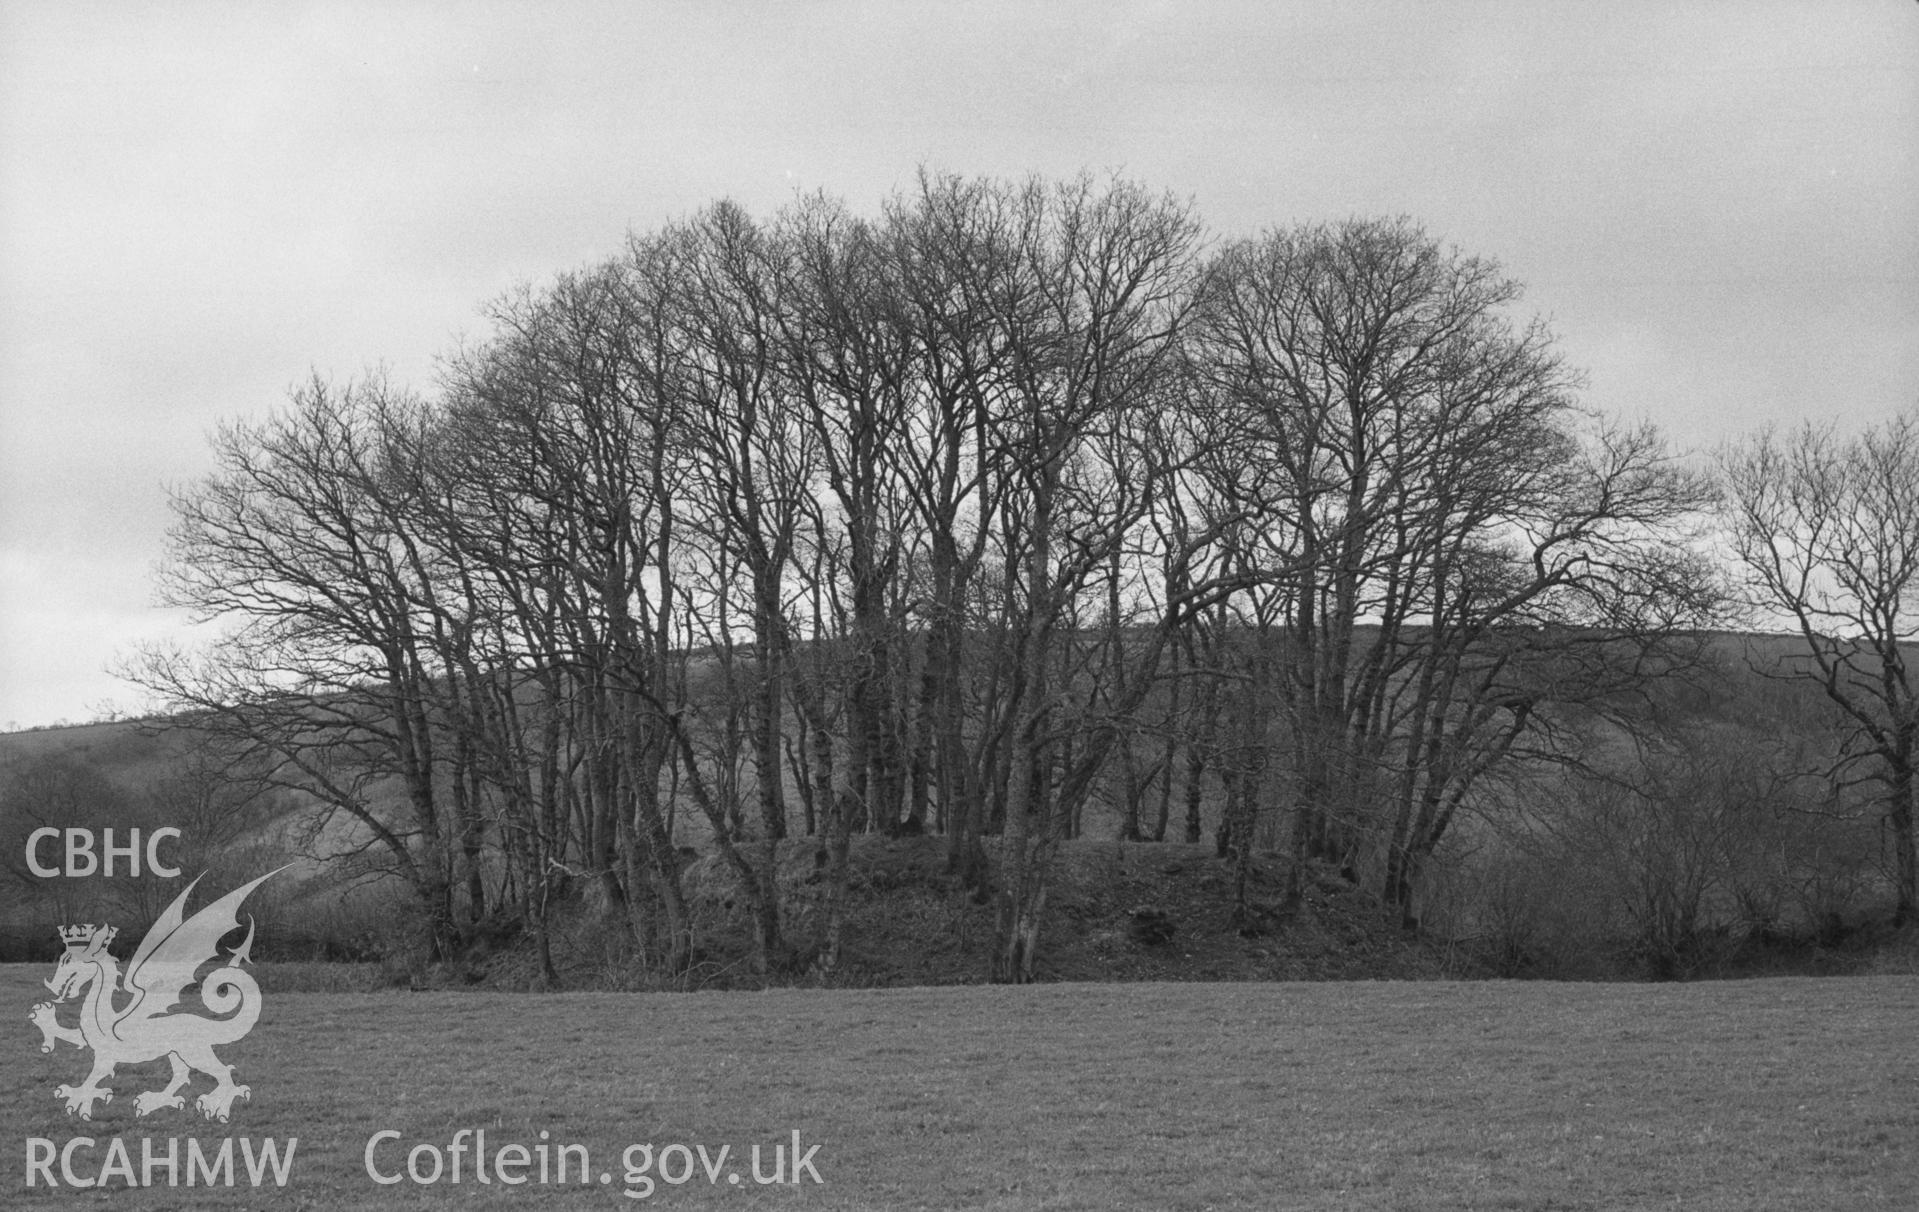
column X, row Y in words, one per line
column 946, row 520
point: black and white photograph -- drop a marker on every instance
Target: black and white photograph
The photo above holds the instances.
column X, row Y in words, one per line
column 1026, row 607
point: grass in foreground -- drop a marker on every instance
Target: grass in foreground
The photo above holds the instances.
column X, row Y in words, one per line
column 1780, row 1094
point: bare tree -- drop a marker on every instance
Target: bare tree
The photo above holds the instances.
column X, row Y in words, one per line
column 955, row 245
column 752, row 464
column 303, row 541
column 1826, row 532
column 1095, row 354
column 1417, row 464
column 571, row 406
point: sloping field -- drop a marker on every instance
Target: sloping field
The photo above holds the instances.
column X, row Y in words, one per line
column 1780, row 1094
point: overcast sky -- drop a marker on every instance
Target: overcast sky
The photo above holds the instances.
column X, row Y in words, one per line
column 1716, row 204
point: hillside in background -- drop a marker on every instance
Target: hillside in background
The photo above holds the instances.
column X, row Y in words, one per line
column 130, row 754
column 1118, row 911
column 1132, row 911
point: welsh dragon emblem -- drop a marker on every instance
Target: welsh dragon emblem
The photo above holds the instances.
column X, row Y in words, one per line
column 144, row 1026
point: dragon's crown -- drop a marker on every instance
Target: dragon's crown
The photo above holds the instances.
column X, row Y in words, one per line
column 76, row 937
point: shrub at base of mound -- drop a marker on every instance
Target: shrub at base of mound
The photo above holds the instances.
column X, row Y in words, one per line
column 1151, row 926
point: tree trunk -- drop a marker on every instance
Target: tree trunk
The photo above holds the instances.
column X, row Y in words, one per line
column 1904, row 787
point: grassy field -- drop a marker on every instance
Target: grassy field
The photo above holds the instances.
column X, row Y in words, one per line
column 1784, row 1094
